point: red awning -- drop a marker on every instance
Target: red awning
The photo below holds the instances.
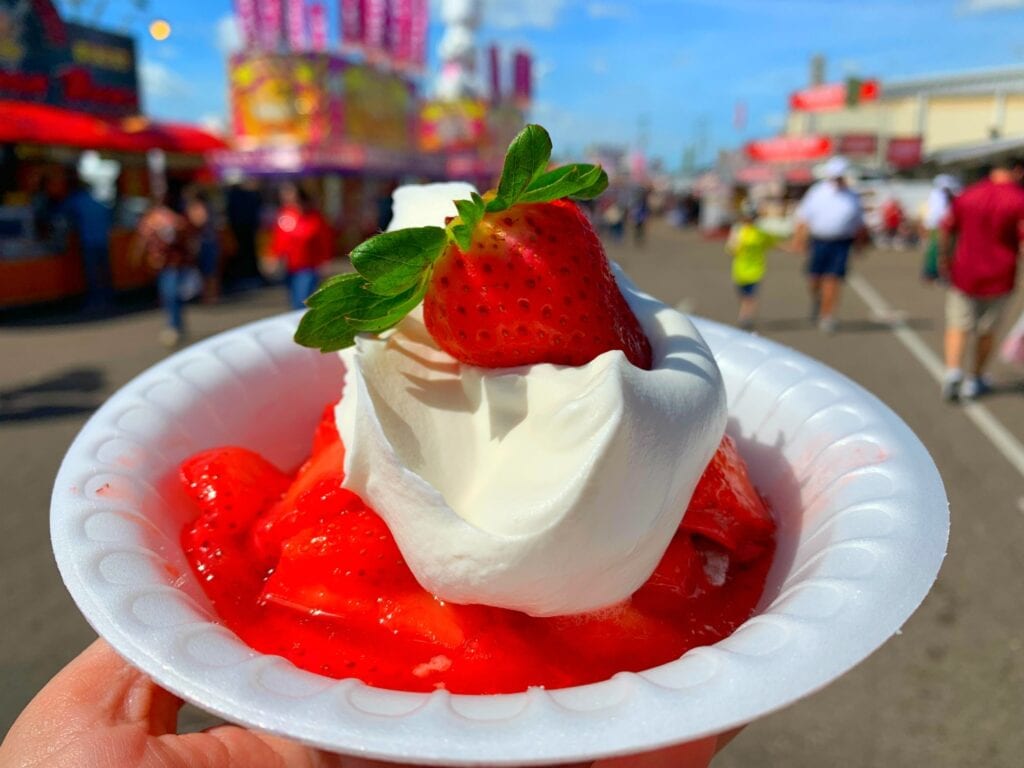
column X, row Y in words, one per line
column 22, row 122
column 175, row 137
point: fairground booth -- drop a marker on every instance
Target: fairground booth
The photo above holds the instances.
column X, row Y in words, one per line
column 70, row 111
column 345, row 115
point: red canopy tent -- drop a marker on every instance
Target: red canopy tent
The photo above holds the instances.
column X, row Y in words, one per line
column 30, row 123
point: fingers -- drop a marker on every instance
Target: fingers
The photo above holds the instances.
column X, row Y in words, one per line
column 100, row 688
column 693, row 754
column 229, row 746
column 97, row 693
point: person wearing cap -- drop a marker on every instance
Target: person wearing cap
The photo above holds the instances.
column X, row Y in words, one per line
column 981, row 241
column 829, row 219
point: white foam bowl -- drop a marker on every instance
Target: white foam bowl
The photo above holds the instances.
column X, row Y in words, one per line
column 863, row 525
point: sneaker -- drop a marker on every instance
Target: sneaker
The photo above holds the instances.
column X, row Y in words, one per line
column 828, row 324
column 951, row 386
column 973, row 388
column 170, row 337
column 745, row 323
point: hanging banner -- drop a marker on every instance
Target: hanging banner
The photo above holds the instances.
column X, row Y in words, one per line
column 400, row 31
column 857, row 144
column 270, row 23
column 375, row 29
column 494, row 70
column 522, row 66
column 245, row 12
column 353, row 21
column 317, row 26
column 297, row 25
column 418, row 21
column 831, row 96
column 785, row 149
column 904, row 152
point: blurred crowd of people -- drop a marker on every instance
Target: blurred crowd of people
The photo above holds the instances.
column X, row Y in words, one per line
column 972, row 238
column 193, row 238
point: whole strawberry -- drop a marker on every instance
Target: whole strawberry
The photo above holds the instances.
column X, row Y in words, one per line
column 534, row 286
column 517, row 278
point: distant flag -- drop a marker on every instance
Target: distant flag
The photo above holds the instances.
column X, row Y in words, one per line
column 270, row 23
column 400, row 31
column 297, row 25
column 494, row 63
column 522, row 75
column 353, row 21
column 418, row 33
column 739, row 116
column 317, row 26
column 375, row 25
column 245, row 12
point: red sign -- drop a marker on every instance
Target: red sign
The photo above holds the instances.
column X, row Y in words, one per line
column 820, row 98
column 757, row 174
column 857, row 144
column 904, row 152
column 787, row 149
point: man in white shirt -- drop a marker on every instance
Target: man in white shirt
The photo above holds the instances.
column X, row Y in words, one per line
column 830, row 217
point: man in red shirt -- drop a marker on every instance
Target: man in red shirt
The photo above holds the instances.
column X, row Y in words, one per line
column 302, row 240
column 981, row 244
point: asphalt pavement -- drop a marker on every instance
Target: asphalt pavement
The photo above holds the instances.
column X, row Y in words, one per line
column 947, row 691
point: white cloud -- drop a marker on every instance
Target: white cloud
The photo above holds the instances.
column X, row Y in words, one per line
column 214, row 123
column 161, row 83
column 523, row 13
column 599, row 65
column 166, row 52
column 229, row 34
column 982, row 6
column 609, row 11
column 542, row 69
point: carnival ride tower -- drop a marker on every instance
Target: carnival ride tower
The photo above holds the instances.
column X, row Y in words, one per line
column 458, row 50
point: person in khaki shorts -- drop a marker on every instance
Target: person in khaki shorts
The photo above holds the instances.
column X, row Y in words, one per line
column 982, row 238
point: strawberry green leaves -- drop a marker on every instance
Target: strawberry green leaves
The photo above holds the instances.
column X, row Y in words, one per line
column 470, row 213
column 395, row 261
column 392, row 272
column 393, row 269
column 576, row 180
column 527, row 157
column 525, row 178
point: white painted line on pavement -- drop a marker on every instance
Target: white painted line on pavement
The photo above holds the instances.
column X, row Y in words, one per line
column 1003, row 440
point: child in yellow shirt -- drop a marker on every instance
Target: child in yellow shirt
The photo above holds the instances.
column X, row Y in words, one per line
column 749, row 246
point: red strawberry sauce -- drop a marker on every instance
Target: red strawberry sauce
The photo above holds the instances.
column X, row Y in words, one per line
column 300, row 567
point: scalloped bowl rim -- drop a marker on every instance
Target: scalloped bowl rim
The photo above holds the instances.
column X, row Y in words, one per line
column 858, row 570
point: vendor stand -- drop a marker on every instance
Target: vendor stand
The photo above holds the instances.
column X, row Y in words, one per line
column 351, row 130
column 67, row 90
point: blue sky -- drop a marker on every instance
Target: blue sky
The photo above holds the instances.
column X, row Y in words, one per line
column 605, row 66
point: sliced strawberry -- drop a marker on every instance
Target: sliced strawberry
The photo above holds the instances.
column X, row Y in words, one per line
column 326, row 431
column 233, row 484
column 351, row 569
column 229, row 578
column 727, row 509
column 597, row 642
column 314, row 508
column 673, row 581
column 315, row 491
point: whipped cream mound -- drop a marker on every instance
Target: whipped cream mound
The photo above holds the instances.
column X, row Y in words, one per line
column 545, row 489
column 426, row 205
